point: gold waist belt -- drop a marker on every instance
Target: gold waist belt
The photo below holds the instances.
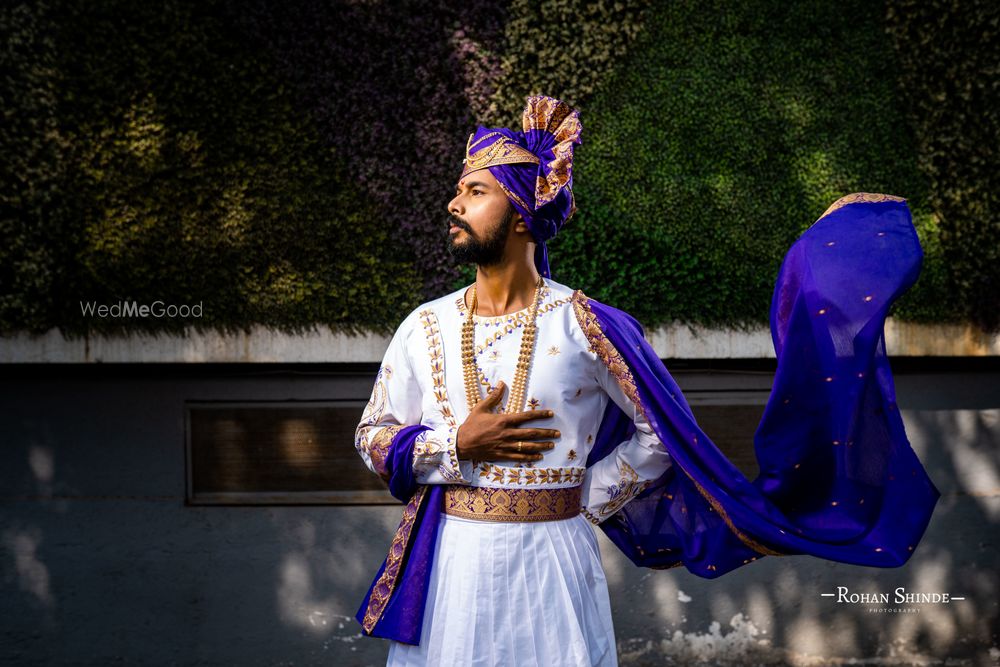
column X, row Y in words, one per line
column 486, row 503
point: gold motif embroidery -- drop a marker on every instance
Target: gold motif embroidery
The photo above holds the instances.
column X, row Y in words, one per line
column 533, row 403
column 859, row 197
column 377, row 445
column 554, row 350
column 426, row 452
column 571, row 455
column 627, row 488
column 485, row 503
column 386, row 583
column 380, row 445
column 512, row 475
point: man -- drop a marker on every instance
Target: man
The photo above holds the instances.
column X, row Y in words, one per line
column 510, row 413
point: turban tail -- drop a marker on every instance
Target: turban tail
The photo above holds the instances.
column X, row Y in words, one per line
column 534, row 167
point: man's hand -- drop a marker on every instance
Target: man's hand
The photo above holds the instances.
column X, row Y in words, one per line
column 491, row 436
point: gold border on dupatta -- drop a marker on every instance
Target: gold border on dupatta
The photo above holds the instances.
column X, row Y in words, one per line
column 859, row 198
column 386, row 584
column 612, row 358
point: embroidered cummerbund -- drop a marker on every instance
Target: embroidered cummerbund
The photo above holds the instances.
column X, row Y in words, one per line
column 492, row 503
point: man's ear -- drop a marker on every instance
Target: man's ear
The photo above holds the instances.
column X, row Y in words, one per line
column 519, row 224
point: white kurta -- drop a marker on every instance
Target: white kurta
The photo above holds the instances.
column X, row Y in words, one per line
column 512, row 593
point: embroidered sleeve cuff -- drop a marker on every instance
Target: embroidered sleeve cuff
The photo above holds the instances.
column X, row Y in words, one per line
column 435, row 458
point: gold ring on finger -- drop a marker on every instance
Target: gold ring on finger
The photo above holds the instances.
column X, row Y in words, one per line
column 519, row 443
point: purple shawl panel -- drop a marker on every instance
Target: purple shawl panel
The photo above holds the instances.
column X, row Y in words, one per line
column 838, row 478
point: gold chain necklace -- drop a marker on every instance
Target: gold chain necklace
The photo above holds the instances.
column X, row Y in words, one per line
column 470, row 368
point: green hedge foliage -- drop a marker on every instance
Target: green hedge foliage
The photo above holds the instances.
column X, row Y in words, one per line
column 725, row 133
column 210, row 151
column 949, row 81
column 157, row 157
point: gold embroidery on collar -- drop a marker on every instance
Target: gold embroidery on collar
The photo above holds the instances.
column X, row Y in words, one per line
column 510, row 322
column 499, row 319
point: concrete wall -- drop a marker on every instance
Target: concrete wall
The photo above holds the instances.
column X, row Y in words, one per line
column 102, row 563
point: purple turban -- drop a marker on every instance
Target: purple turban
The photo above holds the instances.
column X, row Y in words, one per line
column 534, row 167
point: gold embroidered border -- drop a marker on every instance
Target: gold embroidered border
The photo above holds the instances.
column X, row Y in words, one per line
column 383, row 588
column 859, row 197
column 744, row 538
column 513, row 196
column 435, row 348
column 512, row 475
column 613, row 360
column 501, row 151
column 486, row 503
column 604, row 349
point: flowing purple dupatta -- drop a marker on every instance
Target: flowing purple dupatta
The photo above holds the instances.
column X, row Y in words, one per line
column 837, row 476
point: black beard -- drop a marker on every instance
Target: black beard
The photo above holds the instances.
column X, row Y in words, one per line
column 487, row 252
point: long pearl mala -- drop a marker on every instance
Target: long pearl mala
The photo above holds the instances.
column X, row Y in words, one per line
column 470, row 369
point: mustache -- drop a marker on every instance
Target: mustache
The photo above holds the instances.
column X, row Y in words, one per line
column 461, row 224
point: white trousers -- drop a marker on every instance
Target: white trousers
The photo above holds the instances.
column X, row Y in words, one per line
column 514, row 594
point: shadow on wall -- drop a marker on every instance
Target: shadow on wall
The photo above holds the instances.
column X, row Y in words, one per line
column 102, row 561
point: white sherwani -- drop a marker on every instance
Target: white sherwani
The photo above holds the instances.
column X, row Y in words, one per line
column 512, row 593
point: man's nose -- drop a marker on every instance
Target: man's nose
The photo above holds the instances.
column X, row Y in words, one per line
column 454, row 206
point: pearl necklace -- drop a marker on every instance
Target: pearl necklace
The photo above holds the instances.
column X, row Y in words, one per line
column 470, row 368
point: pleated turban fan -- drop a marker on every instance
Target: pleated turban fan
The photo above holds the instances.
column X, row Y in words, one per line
column 534, row 167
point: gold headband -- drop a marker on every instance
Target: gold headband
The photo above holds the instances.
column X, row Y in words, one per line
column 502, row 151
